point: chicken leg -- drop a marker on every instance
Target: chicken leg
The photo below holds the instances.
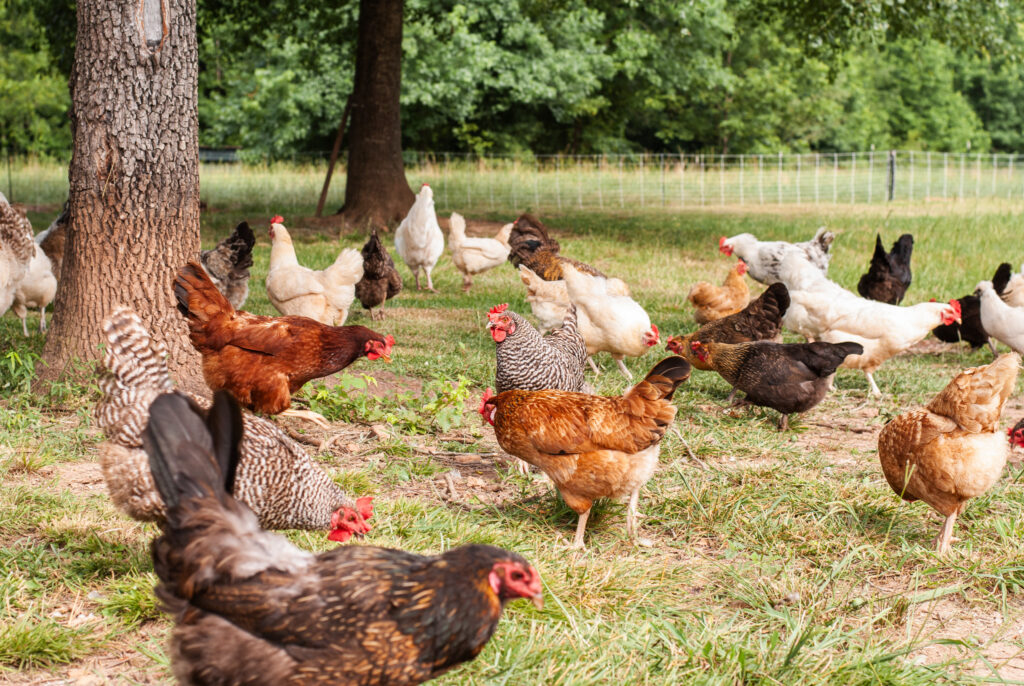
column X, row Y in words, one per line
column 430, row 282
column 945, row 537
column 42, row 319
column 631, row 515
column 622, row 368
column 467, row 282
column 992, row 347
column 874, row 387
column 416, row 275
column 577, row 542
column 784, row 423
column 593, row 366
column 309, row 416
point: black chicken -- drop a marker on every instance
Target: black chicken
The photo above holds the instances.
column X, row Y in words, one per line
column 381, row 281
column 530, row 244
column 251, row 608
column 788, row 377
column 228, row 264
column 970, row 330
column 888, row 277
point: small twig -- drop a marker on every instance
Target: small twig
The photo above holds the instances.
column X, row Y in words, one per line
column 451, row 453
column 689, row 450
column 302, row 438
column 451, row 486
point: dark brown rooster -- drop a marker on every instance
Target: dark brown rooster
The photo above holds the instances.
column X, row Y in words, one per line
column 263, row 360
column 787, row 377
column 381, row 281
column 251, row 608
column 531, row 245
column 888, row 277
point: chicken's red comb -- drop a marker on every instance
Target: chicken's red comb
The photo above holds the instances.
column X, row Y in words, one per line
column 721, row 241
column 498, row 309
column 654, row 328
column 426, row 185
column 389, row 340
column 488, row 394
column 695, row 345
column 277, row 219
column 955, row 304
column 365, row 506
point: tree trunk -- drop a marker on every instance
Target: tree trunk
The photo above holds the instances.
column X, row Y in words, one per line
column 376, row 191
column 134, row 179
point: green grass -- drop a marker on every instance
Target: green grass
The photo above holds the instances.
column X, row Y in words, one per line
column 777, row 558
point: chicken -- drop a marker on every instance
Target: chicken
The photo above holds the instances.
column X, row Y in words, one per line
column 820, row 309
column 761, row 320
column 764, row 258
column 251, row 608
column 475, row 255
column 1009, row 286
column 418, row 239
column 970, row 330
column 549, row 300
column 531, row 246
column 712, row 302
column 36, row 289
column 591, row 446
column 787, row 377
column 276, row 478
column 888, row 276
column 16, row 251
column 381, row 281
column 263, row 360
column 228, row 264
column 609, row 323
column 52, row 240
column 1003, row 322
column 951, row 450
column 1016, row 434
column 531, row 362
column 298, row 291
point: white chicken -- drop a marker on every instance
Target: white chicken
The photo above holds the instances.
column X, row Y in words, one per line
column 294, row 290
column 475, row 255
column 764, row 258
column 36, row 289
column 1002, row 321
column 16, row 251
column 615, row 324
column 549, row 300
column 418, row 239
column 822, row 310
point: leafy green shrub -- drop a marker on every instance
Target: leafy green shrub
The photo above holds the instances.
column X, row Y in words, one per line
column 17, row 370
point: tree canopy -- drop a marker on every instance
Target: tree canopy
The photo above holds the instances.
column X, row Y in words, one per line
column 582, row 76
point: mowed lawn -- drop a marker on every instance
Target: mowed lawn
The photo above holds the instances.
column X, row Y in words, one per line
column 776, row 558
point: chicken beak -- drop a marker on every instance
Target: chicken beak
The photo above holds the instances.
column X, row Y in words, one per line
column 538, row 601
column 386, row 357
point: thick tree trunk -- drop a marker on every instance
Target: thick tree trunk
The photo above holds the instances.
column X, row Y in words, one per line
column 134, row 178
column 376, row 191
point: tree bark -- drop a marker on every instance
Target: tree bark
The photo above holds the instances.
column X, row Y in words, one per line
column 134, row 179
column 376, row 191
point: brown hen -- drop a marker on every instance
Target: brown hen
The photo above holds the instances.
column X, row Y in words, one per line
column 951, row 450
column 251, row 608
column 591, row 446
column 531, row 245
column 711, row 302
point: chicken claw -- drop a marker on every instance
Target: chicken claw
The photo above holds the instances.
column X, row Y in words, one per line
column 309, row 416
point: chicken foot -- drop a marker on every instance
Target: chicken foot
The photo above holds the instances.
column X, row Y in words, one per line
column 309, row 416
column 593, row 366
column 622, row 368
column 577, row 542
column 992, row 347
column 945, row 537
column 631, row 516
column 874, row 387
column 784, row 423
column 467, row 282
column 430, row 282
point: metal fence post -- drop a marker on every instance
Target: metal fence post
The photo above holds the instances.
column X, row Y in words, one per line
column 446, row 180
column 963, row 162
column 798, row 158
column 469, row 187
column 622, row 192
column 995, row 164
column 760, row 177
column 682, row 180
column 853, row 179
column 558, row 183
column 703, row 172
column 928, row 186
column 871, row 172
column 1009, row 176
column 579, row 183
column 743, row 160
column 721, row 179
column 642, row 199
column 891, row 180
column 600, row 179
column 977, row 176
column 945, row 175
column 779, row 183
column 911, row 185
column 835, row 178
column 817, row 170
column 662, row 162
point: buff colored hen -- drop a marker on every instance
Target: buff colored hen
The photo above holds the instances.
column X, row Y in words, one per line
column 711, row 302
column 951, row 450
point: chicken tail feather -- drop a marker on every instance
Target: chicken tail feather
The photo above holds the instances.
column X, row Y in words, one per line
column 197, row 296
column 664, row 378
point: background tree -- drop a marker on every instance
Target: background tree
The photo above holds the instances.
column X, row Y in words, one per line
column 134, row 177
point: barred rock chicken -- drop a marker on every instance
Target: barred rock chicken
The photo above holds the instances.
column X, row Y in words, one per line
column 787, row 377
column 475, row 255
column 532, row 246
column 298, row 291
column 712, row 302
column 591, row 446
column 16, row 251
column 761, row 320
column 888, row 277
column 36, row 289
column 52, row 240
column 951, row 450
column 764, row 258
column 251, row 608
column 1003, row 322
column 381, row 281
column 418, row 239
column 970, row 329
column 530, row 362
column 1009, row 286
column 263, row 360
column 549, row 300
column 228, row 264
column 615, row 324
column 283, row 485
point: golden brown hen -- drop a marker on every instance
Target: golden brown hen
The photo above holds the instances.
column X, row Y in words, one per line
column 591, row 446
column 531, row 245
column 711, row 302
column 951, row 450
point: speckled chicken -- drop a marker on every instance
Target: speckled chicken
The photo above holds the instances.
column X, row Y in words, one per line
column 531, row 362
column 276, row 477
column 951, row 450
column 531, row 245
column 53, row 238
column 381, row 280
column 591, row 446
column 16, row 251
column 228, row 264
column 251, row 608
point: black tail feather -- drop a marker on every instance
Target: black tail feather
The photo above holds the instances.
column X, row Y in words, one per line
column 1002, row 277
column 675, row 369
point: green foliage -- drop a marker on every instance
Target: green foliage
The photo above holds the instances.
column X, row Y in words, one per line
column 438, row 408
column 17, row 371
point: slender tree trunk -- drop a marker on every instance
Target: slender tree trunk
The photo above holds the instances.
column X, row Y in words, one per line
column 134, row 178
column 376, row 191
